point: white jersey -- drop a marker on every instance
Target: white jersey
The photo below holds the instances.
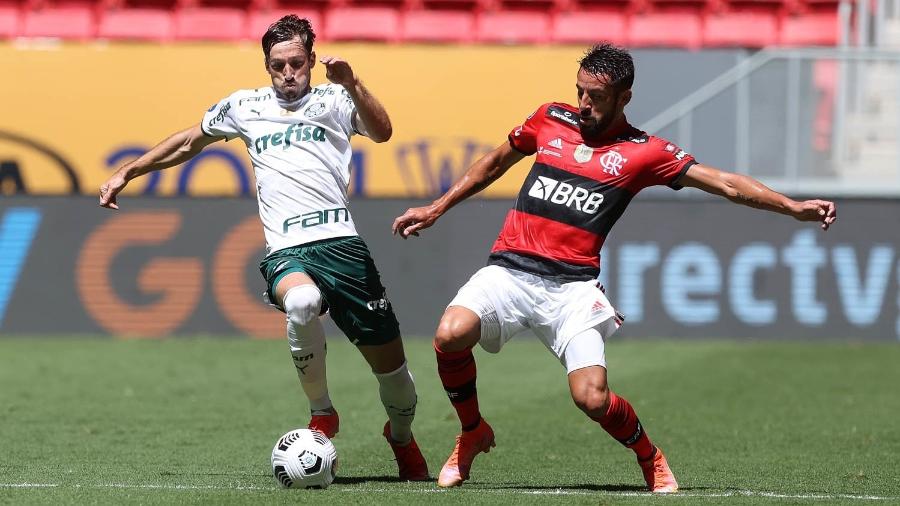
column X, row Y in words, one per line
column 301, row 159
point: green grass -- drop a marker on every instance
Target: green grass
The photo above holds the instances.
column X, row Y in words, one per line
column 193, row 421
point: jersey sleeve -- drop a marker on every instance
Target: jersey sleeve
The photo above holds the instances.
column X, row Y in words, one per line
column 666, row 164
column 345, row 110
column 221, row 120
column 523, row 138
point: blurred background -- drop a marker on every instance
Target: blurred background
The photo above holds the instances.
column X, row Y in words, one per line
column 802, row 94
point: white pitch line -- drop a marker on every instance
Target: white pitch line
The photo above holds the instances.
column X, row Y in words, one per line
column 559, row 491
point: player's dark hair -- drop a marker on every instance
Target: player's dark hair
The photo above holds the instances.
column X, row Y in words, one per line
column 288, row 28
column 611, row 62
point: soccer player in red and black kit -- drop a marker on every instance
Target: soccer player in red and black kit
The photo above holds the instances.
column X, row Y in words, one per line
column 543, row 268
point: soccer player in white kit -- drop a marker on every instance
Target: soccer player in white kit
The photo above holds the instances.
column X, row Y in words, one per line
column 298, row 139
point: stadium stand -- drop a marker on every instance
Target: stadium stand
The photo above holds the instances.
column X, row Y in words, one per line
column 690, row 24
column 584, row 27
column 9, row 21
column 379, row 24
column 437, row 26
column 75, row 22
column 210, row 23
column 740, row 29
column 513, row 27
column 136, row 24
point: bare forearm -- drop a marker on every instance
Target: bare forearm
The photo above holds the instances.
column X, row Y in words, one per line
column 479, row 176
column 371, row 112
column 747, row 191
column 176, row 149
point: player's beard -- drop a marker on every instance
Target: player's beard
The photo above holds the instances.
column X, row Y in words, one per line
column 595, row 128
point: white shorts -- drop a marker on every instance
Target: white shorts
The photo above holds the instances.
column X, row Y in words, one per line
column 510, row 301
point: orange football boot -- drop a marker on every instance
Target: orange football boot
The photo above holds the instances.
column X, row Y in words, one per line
column 326, row 422
column 410, row 461
column 657, row 474
column 468, row 445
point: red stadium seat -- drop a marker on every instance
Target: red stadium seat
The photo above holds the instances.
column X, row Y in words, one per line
column 741, row 29
column 136, row 24
column 590, row 27
column 212, row 23
column 259, row 21
column 62, row 22
column 533, row 5
column 816, row 29
column 9, row 22
column 451, row 5
column 380, row 24
column 513, row 27
column 437, row 26
column 672, row 29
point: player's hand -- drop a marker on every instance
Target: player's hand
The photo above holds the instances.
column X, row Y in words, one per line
column 816, row 210
column 110, row 189
column 338, row 71
column 413, row 220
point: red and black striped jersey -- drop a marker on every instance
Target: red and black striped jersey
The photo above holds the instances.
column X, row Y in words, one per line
column 576, row 191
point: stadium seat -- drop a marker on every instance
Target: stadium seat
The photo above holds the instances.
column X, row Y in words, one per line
column 533, row 5
column 437, row 26
column 451, row 5
column 75, row 23
column 816, row 29
column 590, row 27
column 741, row 29
column 136, row 24
column 212, row 23
column 513, row 27
column 381, row 24
column 259, row 21
column 671, row 29
column 9, row 22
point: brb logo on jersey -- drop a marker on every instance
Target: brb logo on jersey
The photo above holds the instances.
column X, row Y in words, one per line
column 560, row 192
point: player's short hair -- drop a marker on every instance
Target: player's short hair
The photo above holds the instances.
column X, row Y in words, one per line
column 612, row 62
column 288, row 28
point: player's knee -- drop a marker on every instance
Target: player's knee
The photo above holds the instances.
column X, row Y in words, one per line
column 302, row 304
column 453, row 334
column 593, row 400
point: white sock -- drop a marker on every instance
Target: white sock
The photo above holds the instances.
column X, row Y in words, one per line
column 308, row 351
column 398, row 394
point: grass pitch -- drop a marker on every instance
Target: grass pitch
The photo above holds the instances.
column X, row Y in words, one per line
column 193, row 421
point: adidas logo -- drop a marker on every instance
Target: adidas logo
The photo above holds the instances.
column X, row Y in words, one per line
column 597, row 306
column 555, row 143
column 560, row 192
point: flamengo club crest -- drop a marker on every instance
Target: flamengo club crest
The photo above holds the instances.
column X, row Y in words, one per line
column 612, row 162
column 583, row 153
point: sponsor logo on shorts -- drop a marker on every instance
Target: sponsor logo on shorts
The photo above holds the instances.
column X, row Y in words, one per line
column 562, row 193
column 555, row 143
column 380, row 304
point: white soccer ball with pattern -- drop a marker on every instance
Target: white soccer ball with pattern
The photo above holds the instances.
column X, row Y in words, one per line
column 304, row 458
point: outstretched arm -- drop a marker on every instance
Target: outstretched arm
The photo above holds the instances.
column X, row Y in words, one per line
column 178, row 148
column 750, row 192
column 479, row 176
column 375, row 120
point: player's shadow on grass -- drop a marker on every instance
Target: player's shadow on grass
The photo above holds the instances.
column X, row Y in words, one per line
column 583, row 487
column 356, row 480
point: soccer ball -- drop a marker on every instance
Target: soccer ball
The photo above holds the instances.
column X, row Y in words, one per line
column 304, row 458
